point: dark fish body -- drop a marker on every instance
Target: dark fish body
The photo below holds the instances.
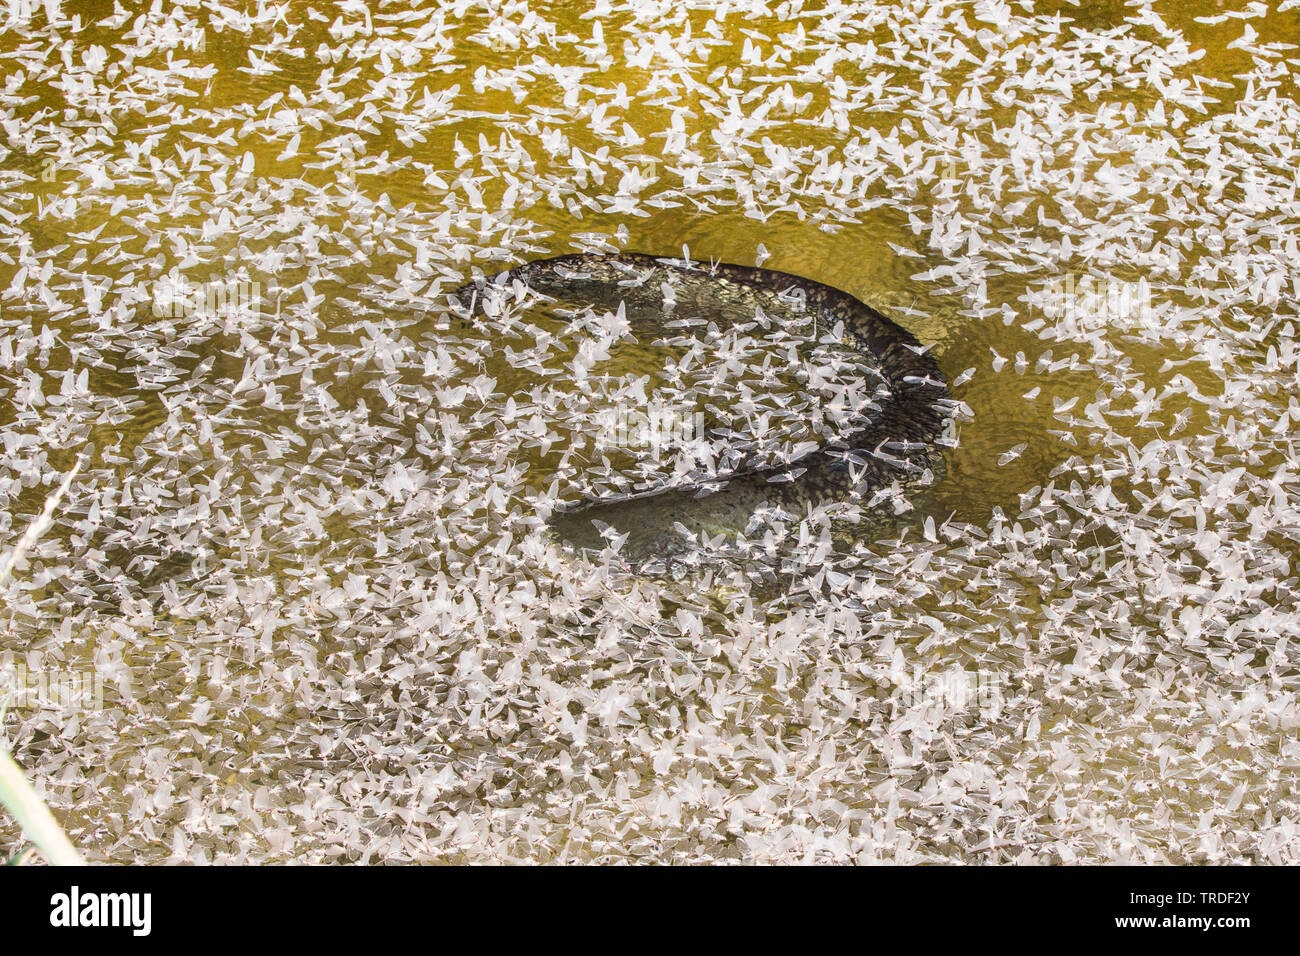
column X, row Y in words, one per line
column 896, row 443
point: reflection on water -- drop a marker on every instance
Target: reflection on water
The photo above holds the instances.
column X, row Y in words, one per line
column 309, row 556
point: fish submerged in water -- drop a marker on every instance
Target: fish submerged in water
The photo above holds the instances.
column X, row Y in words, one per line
column 892, row 443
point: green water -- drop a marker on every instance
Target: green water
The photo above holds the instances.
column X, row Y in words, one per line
column 309, row 573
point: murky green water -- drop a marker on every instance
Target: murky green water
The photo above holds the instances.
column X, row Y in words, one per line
column 303, row 565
